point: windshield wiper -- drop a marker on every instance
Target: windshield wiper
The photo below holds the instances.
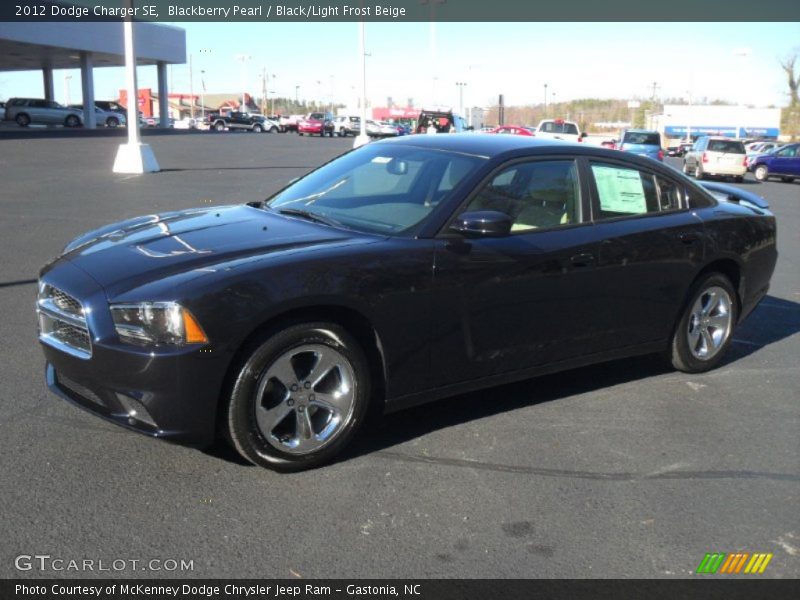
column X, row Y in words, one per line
column 311, row 216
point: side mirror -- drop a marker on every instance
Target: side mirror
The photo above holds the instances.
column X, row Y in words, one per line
column 397, row 167
column 482, row 223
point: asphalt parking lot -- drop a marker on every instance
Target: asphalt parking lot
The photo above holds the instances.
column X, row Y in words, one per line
column 626, row 469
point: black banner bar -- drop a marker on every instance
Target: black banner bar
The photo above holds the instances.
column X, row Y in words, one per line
column 282, row 11
column 411, row 589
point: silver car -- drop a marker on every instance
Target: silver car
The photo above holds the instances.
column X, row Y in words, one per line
column 27, row 111
column 720, row 156
column 104, row 117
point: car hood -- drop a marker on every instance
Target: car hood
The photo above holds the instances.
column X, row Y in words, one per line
column 126, row 255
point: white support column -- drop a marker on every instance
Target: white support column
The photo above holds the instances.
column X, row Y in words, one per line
column 47, row 83
column 133, row 157
column 362, row 138
column 163, row 95
column 87, row 89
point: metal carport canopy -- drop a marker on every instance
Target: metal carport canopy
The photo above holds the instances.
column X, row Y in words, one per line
column 46, row 45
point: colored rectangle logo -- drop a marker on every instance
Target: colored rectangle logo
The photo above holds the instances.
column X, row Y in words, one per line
column 734, row 563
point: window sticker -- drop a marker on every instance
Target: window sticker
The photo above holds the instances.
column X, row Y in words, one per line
column 620, row 190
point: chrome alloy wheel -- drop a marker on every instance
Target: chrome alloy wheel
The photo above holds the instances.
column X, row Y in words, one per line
column 710, row 323
column 305, row 398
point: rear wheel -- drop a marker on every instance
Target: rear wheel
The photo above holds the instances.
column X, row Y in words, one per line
column 273, row 129
column 219, row 126
column 112, row 122
column 787, row 179
column 299, row 397
column 258, row 128
column 23, row 120
column 72, row 121
column 685, row 168
column 705, row 329
column 761, row 173
column 698, row 172
column 739, row 178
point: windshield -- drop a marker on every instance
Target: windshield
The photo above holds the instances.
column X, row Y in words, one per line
column 644, row 138
column 557, row 127
column 380, row 188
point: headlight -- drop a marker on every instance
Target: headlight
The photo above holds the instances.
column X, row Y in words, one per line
column 156, row 323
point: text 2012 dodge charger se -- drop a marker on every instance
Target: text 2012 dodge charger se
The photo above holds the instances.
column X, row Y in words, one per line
column 399, row 273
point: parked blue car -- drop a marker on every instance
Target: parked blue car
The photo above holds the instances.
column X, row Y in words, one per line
column 783, row 162
column 642, row 142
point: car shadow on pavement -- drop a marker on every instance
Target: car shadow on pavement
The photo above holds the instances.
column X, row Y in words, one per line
column 774, row 319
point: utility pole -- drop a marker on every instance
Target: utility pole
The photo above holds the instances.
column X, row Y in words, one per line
column 655, row 87
column 263, row 90
column 461, row 85
column 545, row 101
column 191, row 88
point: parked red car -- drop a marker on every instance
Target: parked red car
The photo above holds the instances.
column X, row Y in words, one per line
column 511, row 130
column 316, row 123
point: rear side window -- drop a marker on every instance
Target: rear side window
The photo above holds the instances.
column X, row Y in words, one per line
column 788, row 151
column 726, row 146
column 553, row 127
column 622, row 192
column 642, row 137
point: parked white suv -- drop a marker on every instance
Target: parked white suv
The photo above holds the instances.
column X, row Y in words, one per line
column 559, row 129
column 349, row 125
column 716, row 156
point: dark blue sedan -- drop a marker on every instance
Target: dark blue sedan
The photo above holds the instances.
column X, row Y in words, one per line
column 403, row 272
column 783, row 162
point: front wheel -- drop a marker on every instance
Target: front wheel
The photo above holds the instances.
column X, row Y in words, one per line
column 273, row 129
column 705, row 329
column 112, row 122
column 299, row 397
column 72, row 121
column 258, row 128
column 761, row 173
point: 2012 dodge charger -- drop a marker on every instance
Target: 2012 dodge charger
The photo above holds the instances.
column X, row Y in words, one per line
column 399, row 273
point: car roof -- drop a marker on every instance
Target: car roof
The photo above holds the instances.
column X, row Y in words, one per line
column 489, row 146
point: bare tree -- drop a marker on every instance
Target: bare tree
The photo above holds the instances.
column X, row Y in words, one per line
column 793, row 77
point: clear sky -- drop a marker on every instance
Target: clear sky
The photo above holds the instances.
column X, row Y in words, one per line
column 737, row 62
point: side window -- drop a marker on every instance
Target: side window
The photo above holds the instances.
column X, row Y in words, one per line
column 669, row 195
column 788, row 152
column 536, row 195
column 695, row 199
column 623, row 191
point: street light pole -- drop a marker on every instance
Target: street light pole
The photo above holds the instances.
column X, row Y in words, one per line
column 296, row 97
column 243, row 58
column 133, row 157
column 362, row 137
column 545, row 100
column 460, row 85
column 203, row 95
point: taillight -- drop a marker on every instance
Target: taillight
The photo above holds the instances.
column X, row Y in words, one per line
column 660, row 155
column 744, row 162
column 705, row 157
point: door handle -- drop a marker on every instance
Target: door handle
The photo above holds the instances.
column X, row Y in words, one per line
column 689, row 237
column 582, row 260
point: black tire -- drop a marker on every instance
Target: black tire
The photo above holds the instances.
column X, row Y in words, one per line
column 258, row 128
column 72, row 121
column 739, row 179
column 23, row 120
column 681, row 354
column 273, row 129
column 240, row 423
column 761, row 173
column 787, row 179
column 112, row 122
column 698, row 172
column 300, row 133
column 685, row 169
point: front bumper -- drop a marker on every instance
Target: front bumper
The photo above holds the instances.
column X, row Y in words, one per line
column 167, row 392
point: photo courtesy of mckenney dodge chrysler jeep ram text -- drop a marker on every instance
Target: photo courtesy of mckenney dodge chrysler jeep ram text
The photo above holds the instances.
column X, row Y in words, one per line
column 402, row 272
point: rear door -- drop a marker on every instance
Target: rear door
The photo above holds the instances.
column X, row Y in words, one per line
column 725, row 155
column 651, row 248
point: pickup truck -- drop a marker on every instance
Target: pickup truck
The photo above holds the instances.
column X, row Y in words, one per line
column 559, row 129
column 243, row 121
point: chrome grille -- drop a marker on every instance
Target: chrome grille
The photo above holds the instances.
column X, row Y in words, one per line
column 62, row 322
column 65, row 302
